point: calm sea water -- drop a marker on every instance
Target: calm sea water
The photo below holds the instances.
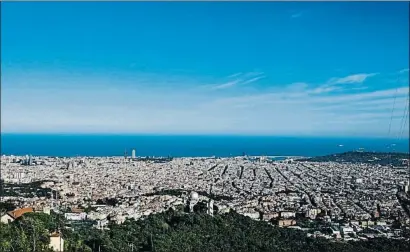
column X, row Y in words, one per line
column 187, row 146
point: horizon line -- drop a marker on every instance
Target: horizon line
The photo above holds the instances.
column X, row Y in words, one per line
column 273, row 156
column 170, row 134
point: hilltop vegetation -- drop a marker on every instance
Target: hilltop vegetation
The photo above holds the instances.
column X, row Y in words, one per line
column 180, row 192
column 27, row 190
column 381, row 158
column 176, row 231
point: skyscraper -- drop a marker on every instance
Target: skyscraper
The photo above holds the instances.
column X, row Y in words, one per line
column 133, row 153
column 29, row 160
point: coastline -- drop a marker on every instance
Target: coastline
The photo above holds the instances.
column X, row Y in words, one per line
column 189, row 146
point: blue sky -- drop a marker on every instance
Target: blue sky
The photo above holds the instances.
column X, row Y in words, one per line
column 267, row 68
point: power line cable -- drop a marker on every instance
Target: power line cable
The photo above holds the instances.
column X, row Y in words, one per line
column 404, row 118
column 391, row 118
column 392, row 110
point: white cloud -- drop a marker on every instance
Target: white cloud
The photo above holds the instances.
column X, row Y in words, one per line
column 252, row 80
column 336, row 84
column 296, row 15
column 226, row 85
column 153, row 107
column 234, row 75
column 307, row 97
column 241, row 79
column 404, row 70
column 324, row 89
column 303, row 111
column 351, row 79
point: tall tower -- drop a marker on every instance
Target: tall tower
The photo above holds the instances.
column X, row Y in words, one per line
column 25, row 161
column 133, row 154
column 30, row 160
column 125, row 154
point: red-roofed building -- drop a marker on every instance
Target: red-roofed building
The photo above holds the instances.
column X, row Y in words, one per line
column 13, row 215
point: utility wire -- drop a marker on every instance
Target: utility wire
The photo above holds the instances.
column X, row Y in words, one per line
column 404, row 118
column 391, row 118
column 392, row 110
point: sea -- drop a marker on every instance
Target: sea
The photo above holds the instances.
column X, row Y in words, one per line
column 69, row 145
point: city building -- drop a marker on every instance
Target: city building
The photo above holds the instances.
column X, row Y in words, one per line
column 13, row 215
column 56, row 242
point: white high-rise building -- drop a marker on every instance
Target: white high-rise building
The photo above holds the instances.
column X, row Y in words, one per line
column 210, row 209
column 133, row 154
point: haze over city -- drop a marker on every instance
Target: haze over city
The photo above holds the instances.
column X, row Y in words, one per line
column 268, row 68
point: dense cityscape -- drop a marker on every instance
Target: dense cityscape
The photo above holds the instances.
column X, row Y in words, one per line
column 346, row 201
column 260, row 126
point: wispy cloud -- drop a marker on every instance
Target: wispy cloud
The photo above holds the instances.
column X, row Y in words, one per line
column 308, row 96
column 253, row 80
column 336, row 83
column 240, row 79
column 297, row 108
column 351, row 79
column 296, row 15
column 406, row 70
column 226, row 85
column 324, row 89
column 234, row 75
column 340, row 106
